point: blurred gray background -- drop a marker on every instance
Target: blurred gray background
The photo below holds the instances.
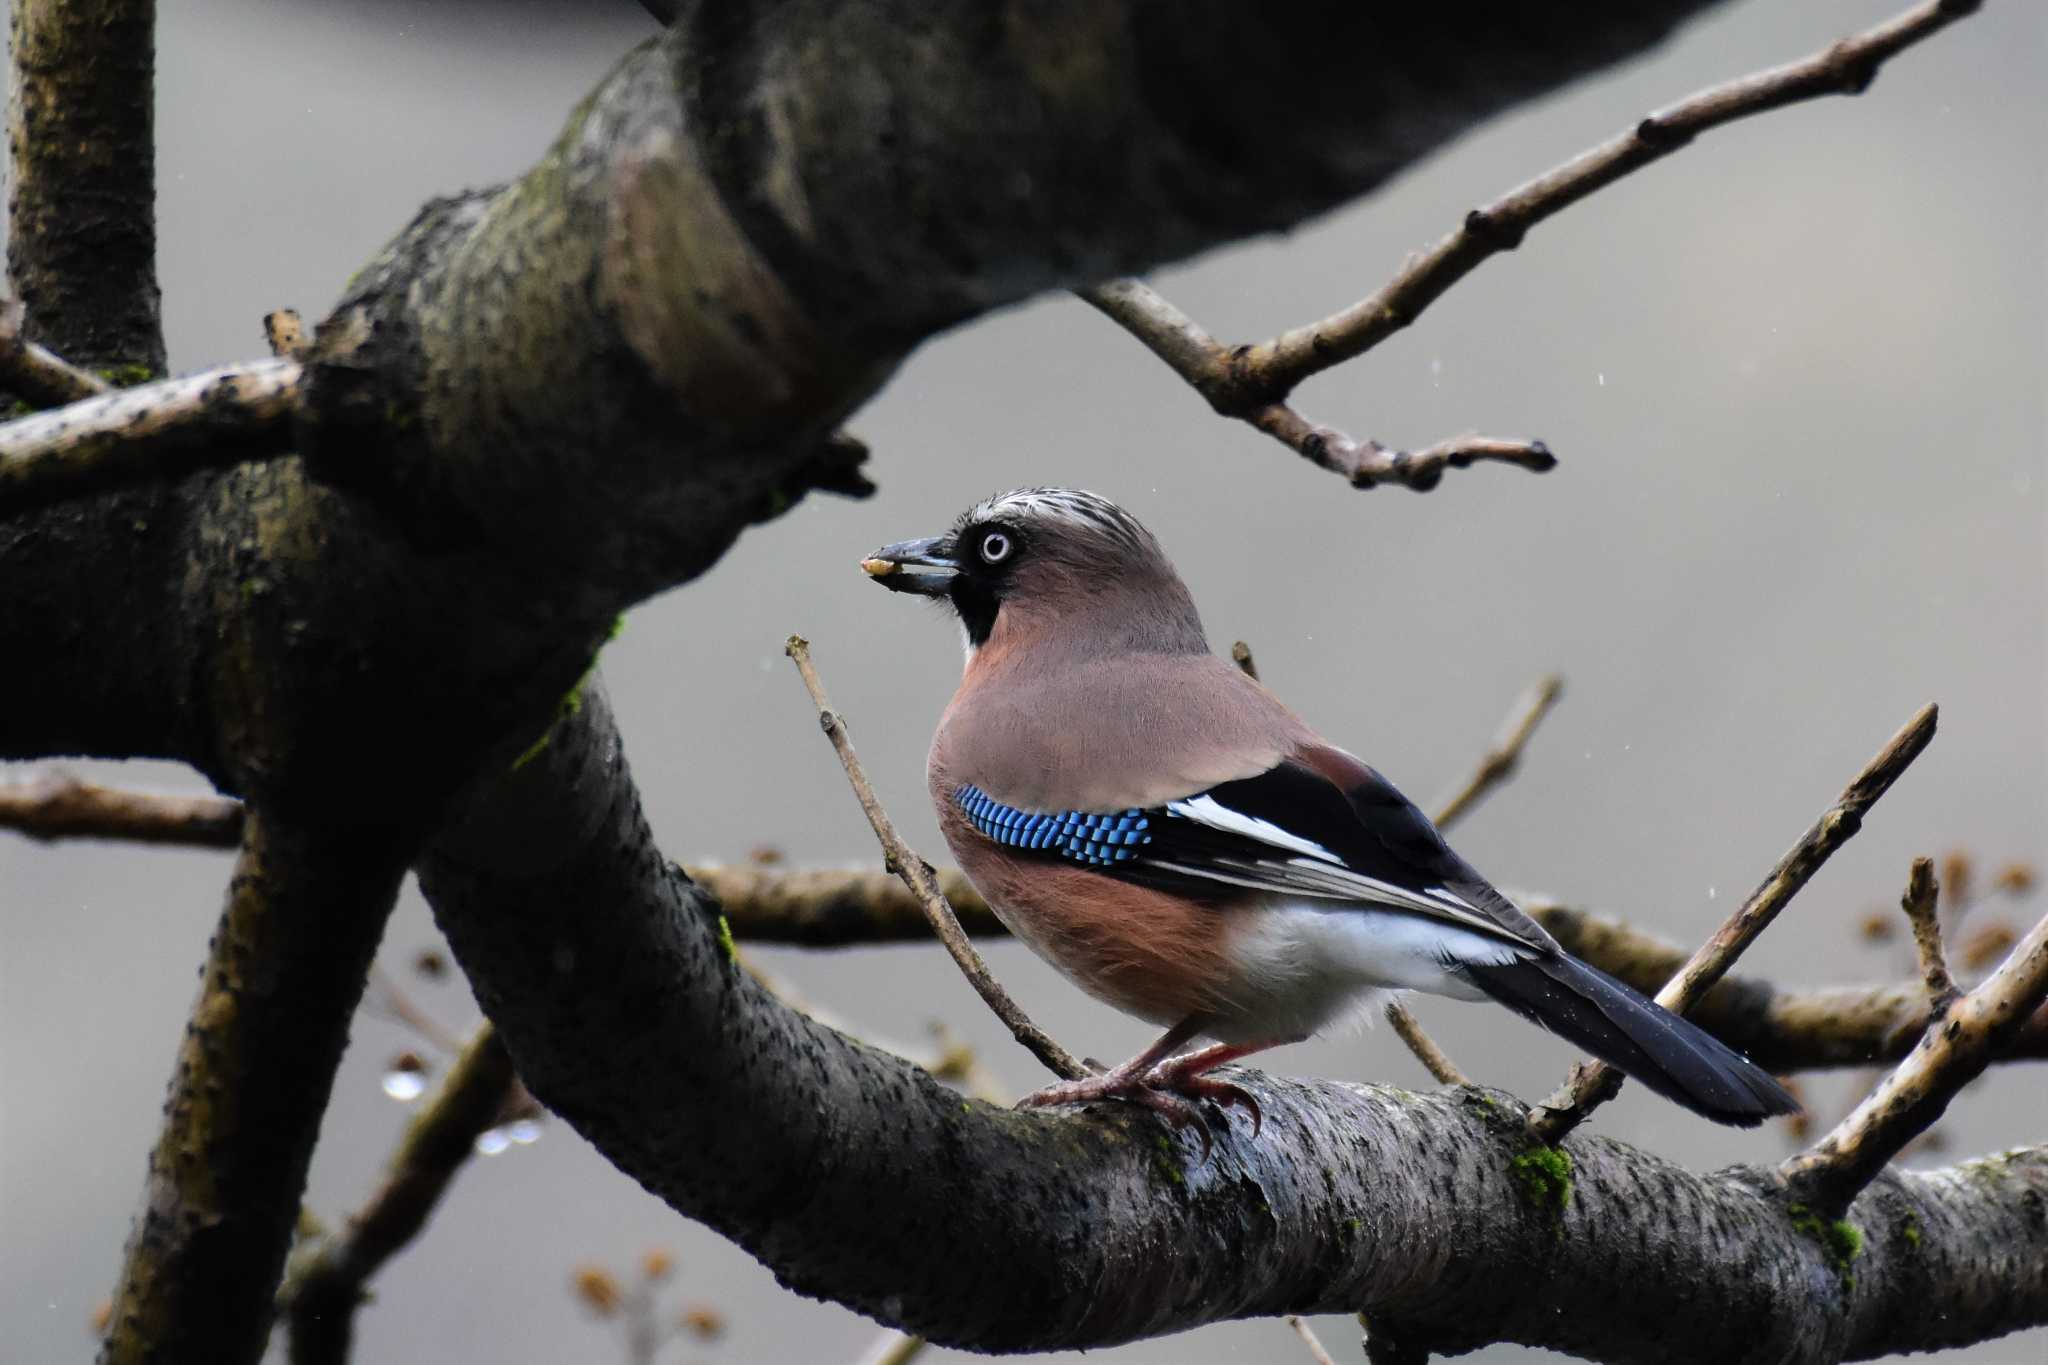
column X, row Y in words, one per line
column 1794, row 376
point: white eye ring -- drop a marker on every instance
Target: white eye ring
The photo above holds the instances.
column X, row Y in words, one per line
column 995, row 547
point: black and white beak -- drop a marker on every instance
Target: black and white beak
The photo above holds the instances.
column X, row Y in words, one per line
column 925, row 567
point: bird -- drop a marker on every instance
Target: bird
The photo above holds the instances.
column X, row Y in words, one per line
column 1170, row 836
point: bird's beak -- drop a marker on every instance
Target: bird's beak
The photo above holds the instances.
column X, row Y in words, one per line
column 921, row 566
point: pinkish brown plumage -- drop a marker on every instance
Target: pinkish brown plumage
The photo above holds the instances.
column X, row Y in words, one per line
column 1180, row 844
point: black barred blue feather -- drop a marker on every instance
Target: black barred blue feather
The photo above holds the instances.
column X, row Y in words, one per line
column 1098, row 839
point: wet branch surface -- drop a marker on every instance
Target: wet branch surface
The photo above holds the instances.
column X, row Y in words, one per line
column 852, row 1173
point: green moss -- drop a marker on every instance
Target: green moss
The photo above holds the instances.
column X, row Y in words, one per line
column 1544, row 1176
column 725, row 943
column 1163, row 1161
column 127, row 376
column 1840, row 1240
column 1909, row 1231
column 19, row 408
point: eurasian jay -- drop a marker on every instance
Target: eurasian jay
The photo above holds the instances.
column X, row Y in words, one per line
column 1166, row 833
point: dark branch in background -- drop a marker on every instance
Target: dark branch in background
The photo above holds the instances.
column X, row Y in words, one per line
column 303, row 917
column 1253, row 382
column 41, row 377
column 1594, row 1083
column 322, row 1293
column 922, row 881
column 157, row 431
column 1785, row 1029
column 1958, row 1044
column 852, row 1173
column 81, row 247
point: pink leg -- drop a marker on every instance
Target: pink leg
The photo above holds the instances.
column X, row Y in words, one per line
column 1169, row 1086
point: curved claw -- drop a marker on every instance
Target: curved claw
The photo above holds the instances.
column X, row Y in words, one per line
column 1220, row 1092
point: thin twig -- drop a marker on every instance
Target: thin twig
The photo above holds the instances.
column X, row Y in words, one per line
column 38, row 375
column 894, row 1348
column 323, row 1290
column 55, row 805
column 918, row 875
column 1919, row 904
column 1498, row 764
column 1592, row 1084
column 211, row 420
column 1253, row 383
column 1241, row 655
column 1212, row 370
column 1434, row 1059
column 1951, row 1054
column 1308, row 1337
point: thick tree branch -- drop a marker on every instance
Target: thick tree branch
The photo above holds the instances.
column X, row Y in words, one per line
column 1594, row 1083
column 322, row 1294
column 81, row 248
column 1253, row 382
column 922, row 881
column 855, row 1176
column 304, row 913
column 1954, row 1051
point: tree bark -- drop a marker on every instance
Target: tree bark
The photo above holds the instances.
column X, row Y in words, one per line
column 81, row 246
column 854, row 1176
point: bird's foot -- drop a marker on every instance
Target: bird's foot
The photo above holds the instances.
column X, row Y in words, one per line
column 1173, row 1093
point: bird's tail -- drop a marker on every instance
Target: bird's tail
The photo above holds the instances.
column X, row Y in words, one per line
column 1676, row 1058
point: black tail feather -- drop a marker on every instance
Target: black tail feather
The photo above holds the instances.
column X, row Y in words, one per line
column 1673, row 1057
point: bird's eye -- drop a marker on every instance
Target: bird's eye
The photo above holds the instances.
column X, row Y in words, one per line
column 995, row 547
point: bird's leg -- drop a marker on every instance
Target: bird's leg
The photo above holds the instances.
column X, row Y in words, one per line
column 1128, row 1081
column 1183, row 1076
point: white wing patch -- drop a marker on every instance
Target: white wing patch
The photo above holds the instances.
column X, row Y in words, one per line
column 1313, row 870
column 1207, row 810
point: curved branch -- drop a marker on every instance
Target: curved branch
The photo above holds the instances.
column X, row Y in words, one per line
column 858, row 1178
column 1253, row 382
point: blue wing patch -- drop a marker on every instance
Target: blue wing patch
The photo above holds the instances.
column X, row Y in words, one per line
column 1100, row 840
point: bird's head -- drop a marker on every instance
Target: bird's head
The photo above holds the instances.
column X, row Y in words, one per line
column 1049, row 563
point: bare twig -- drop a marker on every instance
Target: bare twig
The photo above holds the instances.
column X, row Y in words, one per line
column 39, row 375
column 286, row 333
column 323, row 1290
column 1434, row 1059
column 1214, row 371
column 1241, row 655
column 1253, row 383
column 1316, row 1353
column 919, row 876
column 1592, row 1084
column 54, row 805
column 1498, row 765
column 894, row 1348
column 1919, row 903
column 1951, row 1054
column 210, row 420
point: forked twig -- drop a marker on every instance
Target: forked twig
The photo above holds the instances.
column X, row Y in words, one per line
column 919, row 877
column 1253, row 383
column 1593, row 1083
column 1952, row 1052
